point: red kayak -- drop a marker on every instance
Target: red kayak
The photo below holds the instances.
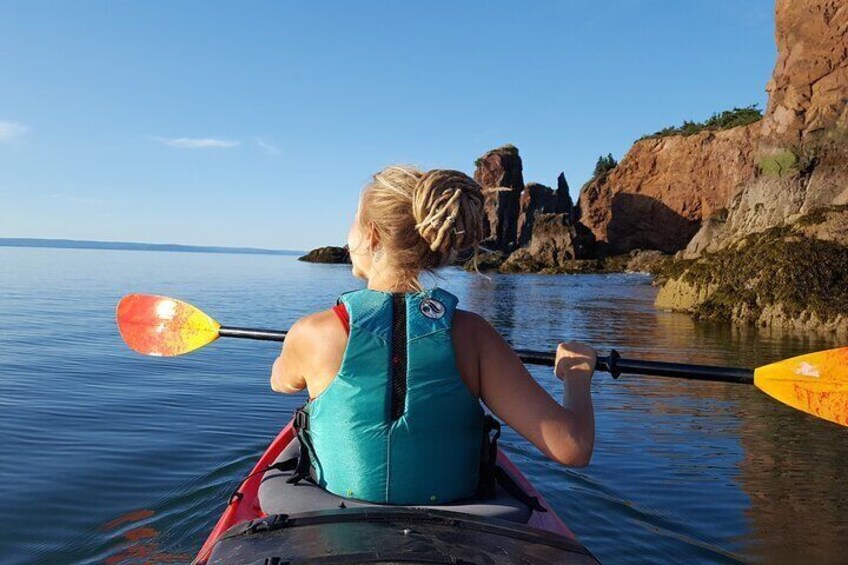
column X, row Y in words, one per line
column 270, row 521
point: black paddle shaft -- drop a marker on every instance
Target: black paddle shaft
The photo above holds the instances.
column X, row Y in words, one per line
column 246, row 333
column 612, row 363
column 616, row 366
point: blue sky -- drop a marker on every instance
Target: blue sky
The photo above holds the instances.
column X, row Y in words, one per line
column 257, row 123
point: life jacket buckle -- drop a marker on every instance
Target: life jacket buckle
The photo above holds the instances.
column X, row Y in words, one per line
column 301, row 420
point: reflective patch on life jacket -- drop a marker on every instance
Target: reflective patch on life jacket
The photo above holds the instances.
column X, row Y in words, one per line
column 432, row 308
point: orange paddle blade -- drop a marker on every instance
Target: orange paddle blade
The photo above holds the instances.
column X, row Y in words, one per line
column 816, row 383
column 162, row 326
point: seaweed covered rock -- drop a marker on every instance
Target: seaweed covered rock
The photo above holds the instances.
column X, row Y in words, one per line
column 521, row 262
column 639, row 261
column 829, row 224
column 329, row 254
column 780, row 277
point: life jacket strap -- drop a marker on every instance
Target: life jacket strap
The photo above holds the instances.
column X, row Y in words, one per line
column 492, row 476
column 303, row 466
column 281, row 466
column 487, row 482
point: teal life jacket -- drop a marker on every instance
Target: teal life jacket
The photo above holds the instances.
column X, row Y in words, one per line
column 397, row 425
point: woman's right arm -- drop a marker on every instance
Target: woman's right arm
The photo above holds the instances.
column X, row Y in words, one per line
column 287, row 375
column 564, row 432
column 311, row 355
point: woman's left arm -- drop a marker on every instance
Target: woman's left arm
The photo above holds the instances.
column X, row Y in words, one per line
column 566, row 432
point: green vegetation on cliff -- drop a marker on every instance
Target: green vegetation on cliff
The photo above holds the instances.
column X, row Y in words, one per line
column 717, row 122
column 779, row 163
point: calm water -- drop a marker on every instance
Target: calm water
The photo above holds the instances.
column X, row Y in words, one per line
column 108, row 456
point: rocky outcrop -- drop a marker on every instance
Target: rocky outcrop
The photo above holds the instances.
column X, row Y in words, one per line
column 500, row 173
column 329, row 254
column 807, row 91
column 511, row 207
column 659, row 193
column 562, row 204
column 826, row 224
column 535, row 199
column 646, row 262
column 554, row 244
column 539, row 199
column 779, row 198
column 484, row 261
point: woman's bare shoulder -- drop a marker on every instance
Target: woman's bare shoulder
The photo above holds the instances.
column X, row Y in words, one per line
column 471, row 324
column 321, row 325
column 317, row 345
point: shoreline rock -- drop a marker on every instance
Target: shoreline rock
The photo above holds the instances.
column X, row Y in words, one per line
column 637, row 261
column 776, row 278
column 328, row 255
column 777, row 254
column 555, row 241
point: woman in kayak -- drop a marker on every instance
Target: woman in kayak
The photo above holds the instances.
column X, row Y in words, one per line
column 396, row 373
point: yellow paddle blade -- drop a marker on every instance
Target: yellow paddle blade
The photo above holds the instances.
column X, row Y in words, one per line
column 816, row 383
column 162, row 326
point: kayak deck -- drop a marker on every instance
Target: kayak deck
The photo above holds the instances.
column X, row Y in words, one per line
column 392, row 535
column 370, row 534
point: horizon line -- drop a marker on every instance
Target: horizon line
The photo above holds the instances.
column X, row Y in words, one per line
column 64, row 243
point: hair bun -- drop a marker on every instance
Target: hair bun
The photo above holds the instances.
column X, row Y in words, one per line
column 448, row 210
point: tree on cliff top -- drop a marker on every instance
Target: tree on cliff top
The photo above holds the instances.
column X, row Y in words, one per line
column 717, row 122
column 605, row 164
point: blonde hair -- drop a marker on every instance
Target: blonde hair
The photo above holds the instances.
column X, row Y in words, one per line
column 423, row 219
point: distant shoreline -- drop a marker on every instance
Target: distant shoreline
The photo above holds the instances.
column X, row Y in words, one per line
column 131, row 246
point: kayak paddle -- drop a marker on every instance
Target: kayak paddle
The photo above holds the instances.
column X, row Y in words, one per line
column 815, row 383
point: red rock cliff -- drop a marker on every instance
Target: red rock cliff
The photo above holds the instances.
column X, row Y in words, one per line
column 807, row 92
column 661, row 190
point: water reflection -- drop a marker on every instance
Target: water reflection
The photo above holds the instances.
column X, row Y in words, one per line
column 794, row 471
column 137, row 544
